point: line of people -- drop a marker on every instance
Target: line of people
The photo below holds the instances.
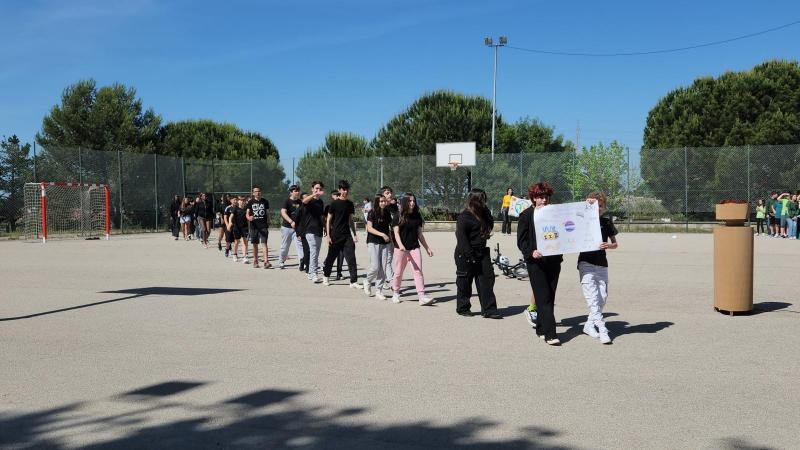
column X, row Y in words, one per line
column 780, row 214
column 395, row 239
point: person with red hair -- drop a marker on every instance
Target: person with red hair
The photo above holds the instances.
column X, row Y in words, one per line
column 543, row 271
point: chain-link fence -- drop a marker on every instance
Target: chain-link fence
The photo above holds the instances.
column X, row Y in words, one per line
column 670, row 185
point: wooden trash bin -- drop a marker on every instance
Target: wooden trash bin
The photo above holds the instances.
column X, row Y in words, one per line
column 733, row 260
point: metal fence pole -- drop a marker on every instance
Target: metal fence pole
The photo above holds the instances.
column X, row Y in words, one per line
column 34, row 162
column 80, row 180
column 183, row 176
column 213, row 198
column 251, row 175
column 686, row 185
column 748, row 182
column 155, row 185
column 119, row 194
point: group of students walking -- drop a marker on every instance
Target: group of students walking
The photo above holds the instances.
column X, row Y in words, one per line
column 395, row 239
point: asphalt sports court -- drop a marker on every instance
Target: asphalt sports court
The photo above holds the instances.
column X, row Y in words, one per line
column 145, row 342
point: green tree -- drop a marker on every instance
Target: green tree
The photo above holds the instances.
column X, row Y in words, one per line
column 441, row 116
column 756, row 107
column 108, row 118
column 206, row 139
column 598, row 168
column 16, row 168
column 530, row 136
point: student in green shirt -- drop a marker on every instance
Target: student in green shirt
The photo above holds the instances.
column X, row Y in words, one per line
column 761, row 213
column 772, row 221
column 792, row 210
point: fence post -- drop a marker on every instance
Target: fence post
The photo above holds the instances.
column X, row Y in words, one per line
column 119, row 174
column 748, row 184
column 574, row 171
column 213, row 198
column 183, row 176
column 34, row 161
column 155, row 185
column 251, row 175
column 80, row 180
column 686, row 185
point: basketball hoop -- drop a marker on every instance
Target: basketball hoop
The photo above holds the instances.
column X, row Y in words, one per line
column 454, row 165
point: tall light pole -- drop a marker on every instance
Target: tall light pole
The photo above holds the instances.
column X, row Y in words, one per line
column 489, row 43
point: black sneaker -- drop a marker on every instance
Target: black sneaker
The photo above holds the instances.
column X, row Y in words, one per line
column 338, row 277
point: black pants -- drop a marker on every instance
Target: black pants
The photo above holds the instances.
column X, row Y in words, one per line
column 482, row 272
column 544, row 281
column 506, row 221
column 759, row 225
column 174, row 225
column 347, row 248
column 306, row 253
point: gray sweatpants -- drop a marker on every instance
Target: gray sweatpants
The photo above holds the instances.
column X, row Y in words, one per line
column 314, row 246
column 378, row 254
column 594, row 283
column 388, row 266
column 287, row 236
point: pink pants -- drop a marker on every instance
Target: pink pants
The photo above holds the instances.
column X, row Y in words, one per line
column 401, row 258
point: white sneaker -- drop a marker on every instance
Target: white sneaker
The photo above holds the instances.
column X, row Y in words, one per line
column 425, row 301
column 355, row 285
column 367, row 289
column 246, row 261
column 604, row 337
column 396, row 297
column 281, row 265
column 325, row 281
column 379, row 295
column 235, row 259
column 314, row 279
column 387, row 285
column 590, row 330
column 553, row 341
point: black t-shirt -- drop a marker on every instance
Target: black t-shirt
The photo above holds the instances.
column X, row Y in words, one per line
column 339, row 214
column 312, row 217
column 259, row 210
column 409, row 231
column 239, row 217
column 290, row 206
column 227, row 213
column 598, row 257
column 381, row 221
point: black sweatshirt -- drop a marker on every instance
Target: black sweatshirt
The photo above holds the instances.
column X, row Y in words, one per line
column 469, row 241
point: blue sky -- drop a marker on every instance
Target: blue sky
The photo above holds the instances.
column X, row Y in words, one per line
column 296, row 69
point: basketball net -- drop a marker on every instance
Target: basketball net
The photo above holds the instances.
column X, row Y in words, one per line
column 454, row 165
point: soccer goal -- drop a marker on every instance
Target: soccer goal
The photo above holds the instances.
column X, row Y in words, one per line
column 54, row 209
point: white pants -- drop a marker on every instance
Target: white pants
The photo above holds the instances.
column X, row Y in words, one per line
column 594, row 282
column 287, row 236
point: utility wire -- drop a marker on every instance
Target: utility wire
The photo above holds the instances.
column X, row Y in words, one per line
column 655, row 52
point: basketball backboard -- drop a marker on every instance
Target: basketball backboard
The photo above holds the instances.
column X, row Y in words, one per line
column 461, row 152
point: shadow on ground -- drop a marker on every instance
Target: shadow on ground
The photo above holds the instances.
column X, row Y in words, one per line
column 616, row 328
column 132, row 294
column 767, row 307
column 268, row 418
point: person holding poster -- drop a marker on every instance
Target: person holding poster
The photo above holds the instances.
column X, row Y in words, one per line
column 593, row 270
column 473, row 258
column 543, row 271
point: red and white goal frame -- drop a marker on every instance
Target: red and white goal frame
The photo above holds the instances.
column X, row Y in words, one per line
column 67, row 209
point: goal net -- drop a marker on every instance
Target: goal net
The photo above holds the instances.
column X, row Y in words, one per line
column 54, row 209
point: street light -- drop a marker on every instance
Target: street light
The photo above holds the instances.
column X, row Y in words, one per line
column 490, row 43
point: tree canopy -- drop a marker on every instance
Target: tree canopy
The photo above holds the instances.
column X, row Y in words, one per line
column 108, row 118
column 16, row 168
column 756, row 107
column 207, row 139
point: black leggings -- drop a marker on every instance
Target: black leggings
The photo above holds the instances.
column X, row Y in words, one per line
column 482, row 273
column 759, row 225
column 544, row 281
column 306, row 253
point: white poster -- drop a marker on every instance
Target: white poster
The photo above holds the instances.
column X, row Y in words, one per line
column 518, row 205
column 568, row 228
